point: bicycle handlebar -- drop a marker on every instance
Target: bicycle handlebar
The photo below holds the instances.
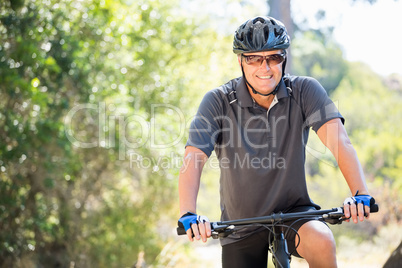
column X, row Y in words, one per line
column 331, row 216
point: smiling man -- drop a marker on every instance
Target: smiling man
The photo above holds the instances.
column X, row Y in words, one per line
column 258, row 125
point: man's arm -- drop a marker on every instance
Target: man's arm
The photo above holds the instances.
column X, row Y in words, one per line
column 333, row 135
column 189, row 184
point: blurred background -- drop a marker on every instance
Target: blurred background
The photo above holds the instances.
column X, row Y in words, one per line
column 95, row 102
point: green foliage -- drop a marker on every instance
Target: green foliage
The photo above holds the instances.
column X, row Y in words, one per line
column 317, row 55
column 93, row 96
column 372, row 124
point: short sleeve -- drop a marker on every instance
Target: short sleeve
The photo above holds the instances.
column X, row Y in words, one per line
column 318, row 107
column 206, row 126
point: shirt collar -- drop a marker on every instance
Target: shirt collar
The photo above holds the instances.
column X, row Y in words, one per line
column 244, row 98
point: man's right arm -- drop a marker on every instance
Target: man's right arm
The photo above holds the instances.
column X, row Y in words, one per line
column 189, row 183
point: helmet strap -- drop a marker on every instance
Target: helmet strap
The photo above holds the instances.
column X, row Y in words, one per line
column 284, row 66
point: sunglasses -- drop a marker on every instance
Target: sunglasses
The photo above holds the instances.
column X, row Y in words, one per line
column 257, row 60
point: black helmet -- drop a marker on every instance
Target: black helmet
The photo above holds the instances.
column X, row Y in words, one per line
column 260, row 34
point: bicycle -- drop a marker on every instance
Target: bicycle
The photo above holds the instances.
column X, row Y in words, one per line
column 280, row 255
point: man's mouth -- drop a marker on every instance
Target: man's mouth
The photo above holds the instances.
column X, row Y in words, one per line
column 264, row 76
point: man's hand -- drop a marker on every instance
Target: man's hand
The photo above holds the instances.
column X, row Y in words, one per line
column 357, row 207
column 195, row 226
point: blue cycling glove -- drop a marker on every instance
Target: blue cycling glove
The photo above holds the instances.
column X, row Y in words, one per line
column 365, row 199
column 187, row 220
column 190, row 218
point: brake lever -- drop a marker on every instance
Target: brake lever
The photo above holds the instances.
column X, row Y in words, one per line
column 335, row 217
column 219, row 231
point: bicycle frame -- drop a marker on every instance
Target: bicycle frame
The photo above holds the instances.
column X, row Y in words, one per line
column 280, row 254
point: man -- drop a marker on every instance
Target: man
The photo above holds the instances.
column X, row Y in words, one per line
column 258, row 125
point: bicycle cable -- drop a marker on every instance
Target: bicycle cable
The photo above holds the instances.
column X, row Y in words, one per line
column 270, row 241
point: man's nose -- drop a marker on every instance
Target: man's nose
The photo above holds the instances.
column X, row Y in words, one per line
column 265, row 63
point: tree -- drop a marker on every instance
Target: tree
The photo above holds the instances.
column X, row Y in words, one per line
column 318, row 56
column 81, row 181
column 281, row 11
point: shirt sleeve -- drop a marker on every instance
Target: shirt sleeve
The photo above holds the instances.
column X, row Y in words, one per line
column 206, row 126
column 318, row 107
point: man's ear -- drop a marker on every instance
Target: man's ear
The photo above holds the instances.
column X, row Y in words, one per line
column 239, row 59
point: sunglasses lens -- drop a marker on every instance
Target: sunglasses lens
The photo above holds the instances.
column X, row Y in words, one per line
column 271, row 59
column 276, row 59
column 253, row 59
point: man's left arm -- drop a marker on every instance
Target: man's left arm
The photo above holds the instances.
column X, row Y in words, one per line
column 334, row 136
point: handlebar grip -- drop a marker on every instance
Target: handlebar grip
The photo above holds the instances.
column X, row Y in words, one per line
column 374, row 208
column 181, row 231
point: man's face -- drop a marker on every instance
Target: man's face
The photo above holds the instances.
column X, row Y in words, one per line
column 262, row 77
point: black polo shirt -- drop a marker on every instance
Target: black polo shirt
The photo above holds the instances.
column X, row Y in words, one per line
column 261, row 152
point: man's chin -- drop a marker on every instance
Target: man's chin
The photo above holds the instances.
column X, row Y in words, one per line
column 264, row 90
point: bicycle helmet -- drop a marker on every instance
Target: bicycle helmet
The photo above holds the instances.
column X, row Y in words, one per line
column 260, row 34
